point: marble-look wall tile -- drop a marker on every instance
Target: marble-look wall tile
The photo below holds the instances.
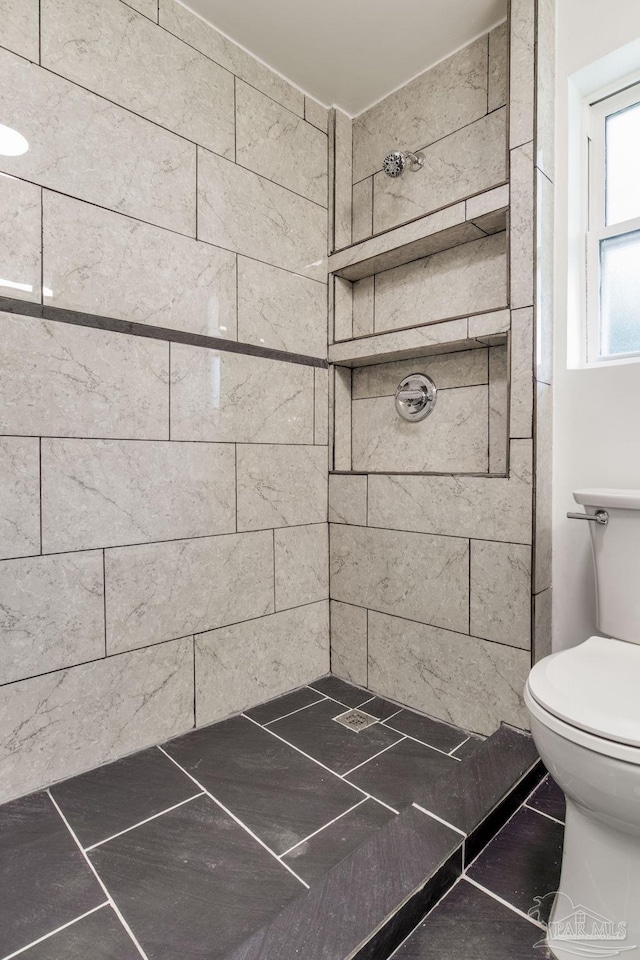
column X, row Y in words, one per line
column 498, row 408
column 20, row 498
column 20, row 238
column 113, row 51
column 343, row 146
column 464, row 163
column 342, row 418
column 342, row 309
column 415, row 341
column 148, row 7
column 544, row 482
column 321, row 406
column 62, row 380
column 349, row 642
column 51, row 613
column 363, row 306
column 545, row 79
column 498, row 67
column 522, row 229
column 105, row 263
column 280, row 309
column 229, row 397
column 467, row 279
column 194, row 30
column 544, row 278
column 302, row 565
column 542, row 624
column 464, row 369
column 450, row 95
column 277, row 144
column 20, row 27
column 64, row 723
column 160, row 591
column 104, row 493
column 239, row 666
column 454, row 438
column 501, row 592
column 522, row 71
column 87, row 147
column 483, row 508
column 362, row 211
column 316, row 114
column 242, row 211
column 472, row 683
column 348, row 499
column 486, row 326
column 421, row 577
column 521, row 407
column 281, row 486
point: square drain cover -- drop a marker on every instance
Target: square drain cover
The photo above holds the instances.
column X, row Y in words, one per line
column 356, row 720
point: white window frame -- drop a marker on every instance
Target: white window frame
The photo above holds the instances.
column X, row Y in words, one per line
column 597, row 109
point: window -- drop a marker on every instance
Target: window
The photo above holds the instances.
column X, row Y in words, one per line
column 613, row 227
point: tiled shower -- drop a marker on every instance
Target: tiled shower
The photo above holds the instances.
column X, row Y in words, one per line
column 210, row 292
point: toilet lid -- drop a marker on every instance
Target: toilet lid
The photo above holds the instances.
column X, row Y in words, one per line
column 594, row 686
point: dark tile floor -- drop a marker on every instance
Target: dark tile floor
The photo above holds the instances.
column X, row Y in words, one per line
column 184, row 850
column 499, row 906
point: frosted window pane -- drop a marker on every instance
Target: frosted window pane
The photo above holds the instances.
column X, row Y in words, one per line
column 623, row 150
column 620, row 295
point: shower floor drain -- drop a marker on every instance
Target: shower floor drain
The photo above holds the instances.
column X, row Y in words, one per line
column 356, row 720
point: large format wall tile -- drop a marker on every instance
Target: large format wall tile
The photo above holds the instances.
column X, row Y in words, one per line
column 113, row 51
column 105, row 263
column 20, row 238
column 486, row 508
column 348, row 499
column 448, row 96
column 522, row 71
column 242, row 211
column 19, row 496
column 239, row 666
column 20, row 27
column 467, row 368
column 467, row 279
column 280, row 309
column 522, row 229
column 316, row 114
column 349, row 642
column 498, row 408
column 277, row 144
column 421, row 577
column 85, row 146
column 500, row 580
column 231, row 397
column 61, row 380
column 498, row 67
column 280, row 486
column 194, row 30
column 148, row 7
column 464, row 163
column 342, row 178
column 301, row 565
column 159, row 591
column 321, row 406
column 51, row 613
column 103, row 493
column 66, row 722
column 454, row 439
column 472, row 683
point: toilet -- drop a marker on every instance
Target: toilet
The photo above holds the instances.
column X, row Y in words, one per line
column 584, row 706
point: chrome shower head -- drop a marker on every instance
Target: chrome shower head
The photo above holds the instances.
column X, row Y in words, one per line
column 395, row 163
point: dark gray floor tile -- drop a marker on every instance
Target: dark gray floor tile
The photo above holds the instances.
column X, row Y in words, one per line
column 281, row 706
column 313, row 858
column 341, row 690
column 119, row 795
column 469, row 925
column 380, row 708
column 100, row 936
column 550, row 799
column 281, row 795
column 432, row 732
column 464, row 751
column 523, row 861
column 315, row 731
column 398, row 775
column 192, row 883
column 44, row 879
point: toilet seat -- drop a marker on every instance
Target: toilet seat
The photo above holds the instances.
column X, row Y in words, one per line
column 590, row 695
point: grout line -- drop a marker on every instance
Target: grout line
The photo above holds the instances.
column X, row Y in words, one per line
column 364, row 762
column 147, row 820
column 324, row 827
column 64, row 926
column 452, row 752
column 169, row 386
column 434, row 816
column 98, row 878
column 423, row 743
column 104, row 597
column 285, row 715
column 504, row 903
column 40, row 488
column 543, row 814
column 233, row 817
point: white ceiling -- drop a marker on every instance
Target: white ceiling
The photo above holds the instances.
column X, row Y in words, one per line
column 351, row 53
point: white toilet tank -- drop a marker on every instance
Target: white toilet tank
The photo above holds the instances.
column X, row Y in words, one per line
column 616, row 555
